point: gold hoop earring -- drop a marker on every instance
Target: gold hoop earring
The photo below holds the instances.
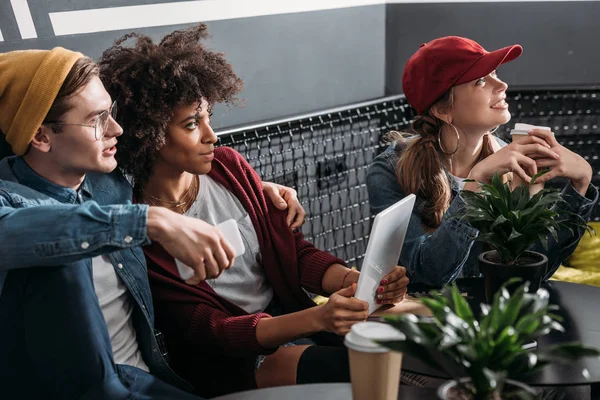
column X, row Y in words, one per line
column 440, row 141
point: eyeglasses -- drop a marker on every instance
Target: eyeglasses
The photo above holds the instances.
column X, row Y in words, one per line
column 101, row 123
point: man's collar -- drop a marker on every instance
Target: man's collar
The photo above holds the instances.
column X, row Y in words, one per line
column 28, row 177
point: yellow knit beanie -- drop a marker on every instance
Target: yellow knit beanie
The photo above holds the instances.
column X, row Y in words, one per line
column 29, row 83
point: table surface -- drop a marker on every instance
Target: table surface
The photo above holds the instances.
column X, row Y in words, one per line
column 580, row 308
column 328, row 391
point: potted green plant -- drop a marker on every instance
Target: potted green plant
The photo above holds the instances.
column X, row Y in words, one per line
column 510, row 221
column 489, row 349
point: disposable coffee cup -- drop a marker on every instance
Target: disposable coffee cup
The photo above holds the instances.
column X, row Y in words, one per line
column 517, row 135
column 374, row 369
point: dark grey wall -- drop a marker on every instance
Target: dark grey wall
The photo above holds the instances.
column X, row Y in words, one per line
column 296, row 63
column 560, row 39
column 291, row 63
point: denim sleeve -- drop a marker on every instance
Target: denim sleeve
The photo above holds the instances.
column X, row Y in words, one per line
column 46, row 235
column 433, row 258
column 576, row 208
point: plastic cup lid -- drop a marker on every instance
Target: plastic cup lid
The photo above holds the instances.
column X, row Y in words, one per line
column 515, row 132
column 362, row 335
column 522, row 129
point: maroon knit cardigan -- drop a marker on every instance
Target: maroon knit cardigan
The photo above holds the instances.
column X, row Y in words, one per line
column 211, row 341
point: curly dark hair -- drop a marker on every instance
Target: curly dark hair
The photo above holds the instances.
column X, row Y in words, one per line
column 149, row 81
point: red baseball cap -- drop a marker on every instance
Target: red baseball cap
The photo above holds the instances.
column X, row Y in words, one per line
column 446, row 62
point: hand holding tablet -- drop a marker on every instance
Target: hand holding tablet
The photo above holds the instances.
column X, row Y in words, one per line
column 383, row 249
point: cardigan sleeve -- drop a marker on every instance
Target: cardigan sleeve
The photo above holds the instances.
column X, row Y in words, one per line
column 196, row 316
column 312, row 264
column 211, row 330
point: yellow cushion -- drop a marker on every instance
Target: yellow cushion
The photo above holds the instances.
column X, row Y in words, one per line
column 567, row 274
column 584, row 265
column 320, row 300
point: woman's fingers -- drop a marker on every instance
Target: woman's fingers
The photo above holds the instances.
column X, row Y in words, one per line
column 532, row 140
column 395, row 280
column 538, row 149
column 546, row 163
column 352, row 316
column 546, row 135
column 395, row 300
column 524, row 166
column 394, row 285
column 397, row 273
column 520, row 172
column 553, row 173
column 342, row 328
column 392, row 294
column 354, row 305
column 347, row 303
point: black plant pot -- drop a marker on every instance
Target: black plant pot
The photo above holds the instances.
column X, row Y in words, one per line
column 449, row 390
column 495, row 274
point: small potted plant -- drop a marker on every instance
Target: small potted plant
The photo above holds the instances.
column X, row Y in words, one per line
column 489, row 349
column 510, row 221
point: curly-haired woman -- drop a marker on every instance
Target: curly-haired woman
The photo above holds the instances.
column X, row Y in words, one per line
column 452, row 84
column 254, row 325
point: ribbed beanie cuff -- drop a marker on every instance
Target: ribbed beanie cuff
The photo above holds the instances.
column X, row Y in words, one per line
column 35, row 102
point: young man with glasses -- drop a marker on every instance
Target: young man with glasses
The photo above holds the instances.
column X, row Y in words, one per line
column 100, row 121
column 75, row 304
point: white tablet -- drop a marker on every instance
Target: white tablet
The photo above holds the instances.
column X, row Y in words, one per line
column 383, row 249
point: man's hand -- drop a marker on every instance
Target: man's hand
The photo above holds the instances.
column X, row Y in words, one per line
column 284, row 197
column 195, row 243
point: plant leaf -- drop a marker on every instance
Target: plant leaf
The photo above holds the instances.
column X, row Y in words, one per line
column 568, row 351
column 461, row 307
column 511, row 221
column 536, row 176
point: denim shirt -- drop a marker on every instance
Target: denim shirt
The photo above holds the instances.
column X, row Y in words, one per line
column 44, row 224
column 439, row 257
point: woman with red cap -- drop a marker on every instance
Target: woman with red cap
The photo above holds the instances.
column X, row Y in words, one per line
column 452, row 84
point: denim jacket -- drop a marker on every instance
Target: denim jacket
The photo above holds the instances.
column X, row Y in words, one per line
column 439, row 257
column 44, row 224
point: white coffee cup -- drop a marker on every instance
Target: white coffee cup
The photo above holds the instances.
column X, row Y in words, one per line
column 374, row 369
column 518, row 134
